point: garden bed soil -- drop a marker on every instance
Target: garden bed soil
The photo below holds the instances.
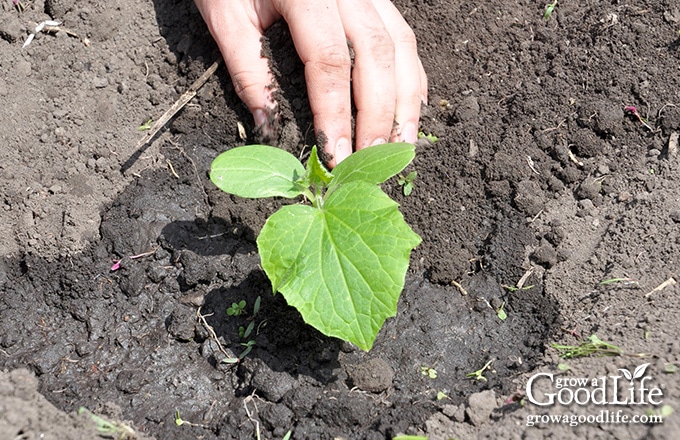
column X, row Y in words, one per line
column 539, row 174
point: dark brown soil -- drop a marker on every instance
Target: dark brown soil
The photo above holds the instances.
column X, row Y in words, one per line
column 538, row 169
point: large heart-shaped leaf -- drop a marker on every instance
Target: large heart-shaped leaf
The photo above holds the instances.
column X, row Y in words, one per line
column 256, row 171
column 343, row 265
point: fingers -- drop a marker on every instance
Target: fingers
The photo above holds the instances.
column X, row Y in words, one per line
column 319, row 37
column 373, row 77
column 410, row 79
column 388, row 78
column 237, row 28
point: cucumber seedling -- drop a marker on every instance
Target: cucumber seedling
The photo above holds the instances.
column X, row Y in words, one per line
column 341, row 262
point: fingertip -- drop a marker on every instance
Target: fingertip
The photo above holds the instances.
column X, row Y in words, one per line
column 266, row 124
column 410, row 132
column 341, row 151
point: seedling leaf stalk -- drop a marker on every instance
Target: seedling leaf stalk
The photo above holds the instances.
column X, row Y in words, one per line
column 479, row 374
column 341, row 261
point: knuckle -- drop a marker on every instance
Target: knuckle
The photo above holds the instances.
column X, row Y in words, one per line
column 404, row 36
column 333, row 59
column 243, row 84
column 381, row 46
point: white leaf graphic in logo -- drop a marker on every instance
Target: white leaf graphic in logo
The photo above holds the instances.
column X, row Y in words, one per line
column 627, row 374
column 638, row 373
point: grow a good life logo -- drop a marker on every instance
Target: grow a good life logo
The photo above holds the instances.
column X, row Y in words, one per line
column 629, row 388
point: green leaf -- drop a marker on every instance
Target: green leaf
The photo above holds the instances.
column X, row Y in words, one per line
column 501, row 314
column 317, row 174
column 256, row 171
column 342, row 266
column 373, row 164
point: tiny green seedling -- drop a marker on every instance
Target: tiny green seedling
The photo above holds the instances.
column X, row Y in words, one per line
column 430, row 137
column 549, row 8
column 256, row 306
column 341, row 261
column 670, row 368
column 441, row 395
column 501, row 313
column 479, row 374
column 146, row 126
column 180, row 422
column 406, row 182
column 563, row 367
column 626, row 281
column 244, row 332
column 248, row 347
column 663, row 412
column 236, row 308
column 594, row 346
column 429, row 372
column 117, row 430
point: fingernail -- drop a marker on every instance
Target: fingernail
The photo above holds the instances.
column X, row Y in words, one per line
column 423, row 99
column 343, row 148
column 409, row 133
column 379, row 141
column 260, row 117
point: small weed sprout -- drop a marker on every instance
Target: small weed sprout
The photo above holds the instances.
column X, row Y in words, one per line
column 626, row 281
column 479, row 374
column 441, row 395
column 256, row 307
column 146, row 126
column 594, row 346
column 501, row 313
column 429, row 372
column 236, row 308
column 406, row 182
column 663, row 412
column 117, row 430
column 430, row 137
column 549, row 8
column 245, row 332
column 180, row 422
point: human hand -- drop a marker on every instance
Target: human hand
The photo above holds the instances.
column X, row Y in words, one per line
column 388, row 80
